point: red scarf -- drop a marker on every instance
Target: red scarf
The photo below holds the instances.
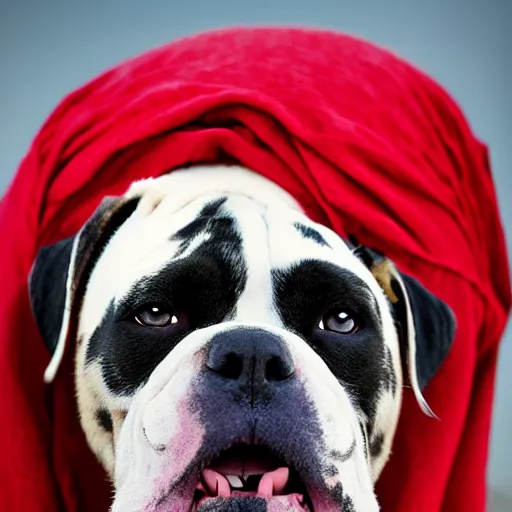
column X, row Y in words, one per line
column 367, row 144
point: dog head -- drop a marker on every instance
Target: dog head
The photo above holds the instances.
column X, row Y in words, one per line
column 229, row 351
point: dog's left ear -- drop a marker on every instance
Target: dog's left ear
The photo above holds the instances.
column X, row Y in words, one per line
column 425, row 324
column 60, row 273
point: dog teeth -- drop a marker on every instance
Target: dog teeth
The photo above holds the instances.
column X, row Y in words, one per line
column 235, row 481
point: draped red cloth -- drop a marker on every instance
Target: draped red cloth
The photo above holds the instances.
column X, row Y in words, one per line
column 368, row 145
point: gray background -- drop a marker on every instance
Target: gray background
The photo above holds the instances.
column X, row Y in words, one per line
column 49, row 47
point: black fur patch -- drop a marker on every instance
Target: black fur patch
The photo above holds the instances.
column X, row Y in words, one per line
column 312, row 234
column 365, row 435
column 331, row 471
column 342, row 457
column 377, row 444
column 345, row 502
column 104, row 419
column 389, row 382
column 202, row 224
column 304, row 293
column 249, row 504
column 347, row 505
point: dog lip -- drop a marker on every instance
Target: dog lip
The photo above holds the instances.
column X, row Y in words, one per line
column 289, row 502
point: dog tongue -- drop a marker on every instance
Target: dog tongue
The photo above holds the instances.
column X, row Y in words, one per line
column 215, row 483
column 272, row 483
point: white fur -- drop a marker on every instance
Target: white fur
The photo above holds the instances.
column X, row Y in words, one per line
column 184, row 185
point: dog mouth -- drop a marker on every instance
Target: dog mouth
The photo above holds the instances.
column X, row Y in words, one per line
column 248, row 473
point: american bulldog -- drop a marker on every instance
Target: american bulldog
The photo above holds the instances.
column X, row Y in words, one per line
column 231, row 354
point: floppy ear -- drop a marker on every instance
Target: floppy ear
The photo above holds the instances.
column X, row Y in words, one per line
column 60, row 273
column 426, row 325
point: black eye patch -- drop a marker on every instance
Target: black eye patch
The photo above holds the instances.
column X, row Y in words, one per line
column 201, row 290
column 312, row 287
column 303, row 293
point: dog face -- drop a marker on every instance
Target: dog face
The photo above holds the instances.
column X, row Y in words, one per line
column 229, row 351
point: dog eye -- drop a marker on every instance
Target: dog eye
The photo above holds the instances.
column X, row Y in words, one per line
column 340, row 322
column 155, row 315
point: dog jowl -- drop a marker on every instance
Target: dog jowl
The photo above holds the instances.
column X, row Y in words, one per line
column 230, row 353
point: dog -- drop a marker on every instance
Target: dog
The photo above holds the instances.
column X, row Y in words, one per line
column 230, row 353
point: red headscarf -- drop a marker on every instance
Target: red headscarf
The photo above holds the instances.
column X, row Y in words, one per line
column 367, row 144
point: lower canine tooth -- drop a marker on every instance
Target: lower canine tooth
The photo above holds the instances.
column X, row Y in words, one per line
column 235, row 481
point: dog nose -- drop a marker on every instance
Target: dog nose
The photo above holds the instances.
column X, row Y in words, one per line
column 250, row 354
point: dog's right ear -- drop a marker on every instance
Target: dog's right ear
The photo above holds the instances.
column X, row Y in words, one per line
column 60, row 273
column 425, row 324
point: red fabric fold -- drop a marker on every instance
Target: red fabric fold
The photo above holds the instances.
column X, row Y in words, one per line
column 367, row 144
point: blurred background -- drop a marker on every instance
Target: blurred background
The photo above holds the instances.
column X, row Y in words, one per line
column 50, row 47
